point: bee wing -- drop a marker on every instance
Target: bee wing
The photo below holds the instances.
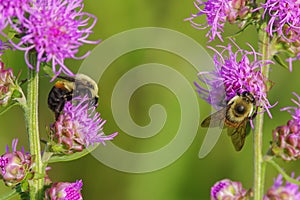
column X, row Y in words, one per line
column 216, row 119
column 238, row 135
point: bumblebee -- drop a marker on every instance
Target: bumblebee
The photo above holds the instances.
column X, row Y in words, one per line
column 70, row 87
column 235, row 116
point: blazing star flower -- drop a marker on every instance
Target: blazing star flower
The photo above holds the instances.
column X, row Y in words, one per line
column 64, row 191
column 234, row 73
column 286, row 139
column 10, row 10
column 14, row 165
column 217, row 13
column 227, row 189
column 279, row 191
column 78, row 127
column 55, row 29
column 284, row 23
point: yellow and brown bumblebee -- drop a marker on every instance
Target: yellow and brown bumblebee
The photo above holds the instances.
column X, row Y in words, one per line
column 70, row 87
column 235, row 116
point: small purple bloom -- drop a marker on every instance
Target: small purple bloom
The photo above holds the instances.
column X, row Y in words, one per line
column 4, row 46
column 279, row 191
column 78, row 127
column 235, row 73
column 284, row 25
column 9, row 10
column 55, row 29
column 64, row 191
column 217, row 12
column 227, row 189
column 286, row 139
column 14, row 165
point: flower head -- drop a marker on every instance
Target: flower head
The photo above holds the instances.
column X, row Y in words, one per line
column 64, row 191
column 9, row 10
column 55, row 29
column 227, row 189
column 286, row 139
column 217, row 13
column 284, row 24
column 234, row 73
column 278, row 191
column 14, row 165
column 78, row 127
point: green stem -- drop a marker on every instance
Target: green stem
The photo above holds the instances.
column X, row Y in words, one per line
column 282, row 172
column 259, row 165
column 31, row 113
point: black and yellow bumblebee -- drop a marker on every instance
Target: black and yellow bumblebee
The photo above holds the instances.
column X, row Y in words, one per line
column 235, row 116
column 68, row 88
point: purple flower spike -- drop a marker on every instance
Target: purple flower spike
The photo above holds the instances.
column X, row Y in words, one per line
column 235, row 73
column 14, row 165
column 217, row 12
column 65, row 191
column 227, row 189
column 279, row 191
column 286, row 139
column 284, row 18
column 56, row 29
column 12, row 9
column 284, row 25
column 78, row 127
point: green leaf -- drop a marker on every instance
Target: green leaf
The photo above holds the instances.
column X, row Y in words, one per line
column 240, row 31
column 74, row 156
column 16, row 94
column 9, row 195
column 11, row 35
column 280, row 61
column 4, row 109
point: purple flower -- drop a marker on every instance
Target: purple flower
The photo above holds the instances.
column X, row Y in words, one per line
column 286, row 139
column 4, row 46
column 78, row 127
column 234, row 73
column 14, row 165
column 284, row 18
column 64, row 191
column 217, row 13
column 278, row 191
column 227, row 189
column 9, row 10
column 284, row 24
column 55, row 29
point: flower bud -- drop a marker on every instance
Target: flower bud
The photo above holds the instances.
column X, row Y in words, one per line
column 64, row 190
column 228, row 190
column 7, row 84
column 14, row 165
column 286, row 139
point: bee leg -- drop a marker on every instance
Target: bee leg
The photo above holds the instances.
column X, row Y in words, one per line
column 58, row 109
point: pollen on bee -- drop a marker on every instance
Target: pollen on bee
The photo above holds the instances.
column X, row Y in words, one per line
column 59, row 84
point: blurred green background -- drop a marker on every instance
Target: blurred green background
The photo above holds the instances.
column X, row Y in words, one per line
column 189, row 178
